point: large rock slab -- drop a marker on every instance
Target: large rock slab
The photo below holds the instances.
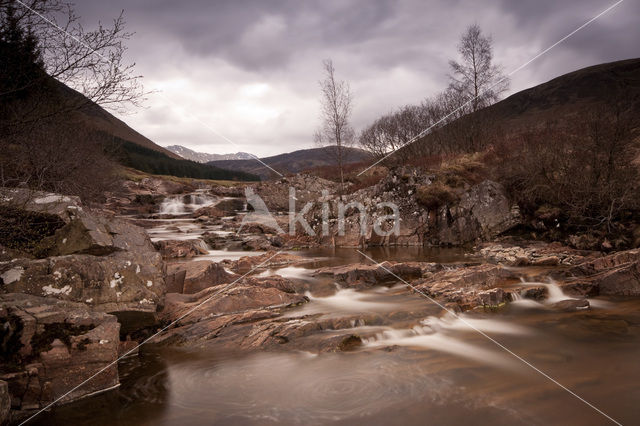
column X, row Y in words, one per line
column 50, row 346
column 122, row 281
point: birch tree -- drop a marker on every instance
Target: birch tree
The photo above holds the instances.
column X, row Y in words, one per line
column 335, row 131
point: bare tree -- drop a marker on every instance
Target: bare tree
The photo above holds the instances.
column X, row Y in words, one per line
column 336, row 104
column 476, row 77
column 91, row 62
column 45, row 54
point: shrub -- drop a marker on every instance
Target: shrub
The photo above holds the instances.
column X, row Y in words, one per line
column 24, row 230
column 435, row 195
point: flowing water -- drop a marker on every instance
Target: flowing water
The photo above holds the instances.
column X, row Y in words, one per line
column 425, row 368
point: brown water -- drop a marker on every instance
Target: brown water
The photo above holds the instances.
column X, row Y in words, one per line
column 434, row 370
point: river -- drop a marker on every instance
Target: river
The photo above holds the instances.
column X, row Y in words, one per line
column 482, row 367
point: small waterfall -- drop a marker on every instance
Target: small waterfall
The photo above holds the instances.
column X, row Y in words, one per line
column 184, row 204
column 554, row 294
column 172, row 206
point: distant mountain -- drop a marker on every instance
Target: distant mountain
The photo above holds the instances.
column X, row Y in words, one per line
column 204, row 157
column 292, row 162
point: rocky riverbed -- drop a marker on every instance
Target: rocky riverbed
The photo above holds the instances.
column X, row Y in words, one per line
column 258, row 326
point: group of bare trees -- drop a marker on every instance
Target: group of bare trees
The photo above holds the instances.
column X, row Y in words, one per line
column 587, row 170
column 45, row 52
column 475, row 82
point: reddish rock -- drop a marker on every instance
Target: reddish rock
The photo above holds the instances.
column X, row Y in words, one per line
column 269, row 259
column 238, row 298
column 174, row 249
column 371, row 274
column 198, row 275
column 570, row 305
column 209, row 211
column 63, row 344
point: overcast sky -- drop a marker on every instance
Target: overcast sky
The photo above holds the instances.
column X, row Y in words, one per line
column 250, row 69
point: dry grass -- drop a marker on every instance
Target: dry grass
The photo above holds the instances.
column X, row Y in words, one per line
column 435, row 195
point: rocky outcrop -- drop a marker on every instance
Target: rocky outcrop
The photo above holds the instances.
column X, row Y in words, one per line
column 50, row 346
column 534, row 254
column 479, row 213
column 482, row 213
column 275, row 193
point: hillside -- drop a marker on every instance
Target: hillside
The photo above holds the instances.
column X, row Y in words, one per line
column 204, row 157
column 569, row 94
column 100, row 120
column 132, row 149
column 292, row 162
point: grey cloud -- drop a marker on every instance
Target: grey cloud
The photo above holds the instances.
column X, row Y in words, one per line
column 392, row 52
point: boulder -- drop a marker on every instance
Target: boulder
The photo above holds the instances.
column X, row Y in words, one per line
column 50, row 346
column 88, row 233
column 494, row 297
column 122, row 281
column 483, row 212
column 174, row 249
column 570, row 305
column 199, row 274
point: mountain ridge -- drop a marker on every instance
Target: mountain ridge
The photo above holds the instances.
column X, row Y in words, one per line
column 292, row 162
column 205, row 157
